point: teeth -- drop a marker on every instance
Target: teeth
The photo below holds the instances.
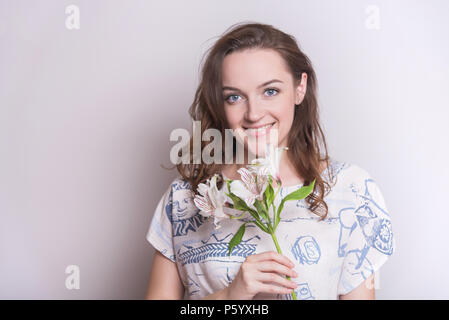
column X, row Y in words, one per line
column 261, row 129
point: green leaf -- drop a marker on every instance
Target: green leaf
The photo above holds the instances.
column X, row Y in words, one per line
column 238, row 217
column 268, row 195
column 241, row 205
column 238, row 203
column 237, row 238
column 261, row 226
column 299, row 194
column 261, row 210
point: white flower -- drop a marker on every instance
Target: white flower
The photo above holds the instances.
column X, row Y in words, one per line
column 252, row 186
column 270, row 162
column 211, row 201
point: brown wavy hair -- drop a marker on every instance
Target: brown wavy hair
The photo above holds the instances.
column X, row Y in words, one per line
column 305, row 135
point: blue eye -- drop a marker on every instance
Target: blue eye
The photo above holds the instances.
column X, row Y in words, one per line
column 271, row 89
column 231, row 101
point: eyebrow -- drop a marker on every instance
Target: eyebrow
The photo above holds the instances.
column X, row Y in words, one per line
column 262, row 85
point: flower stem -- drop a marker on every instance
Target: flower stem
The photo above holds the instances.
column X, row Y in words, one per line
column 274, row 209
column 278, row 248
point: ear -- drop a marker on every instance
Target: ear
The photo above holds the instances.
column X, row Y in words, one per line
column 301, row 89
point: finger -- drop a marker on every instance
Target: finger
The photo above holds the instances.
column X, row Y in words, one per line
column 271, row 288
column 273, row 255
column 272, row 266
column 275, row 278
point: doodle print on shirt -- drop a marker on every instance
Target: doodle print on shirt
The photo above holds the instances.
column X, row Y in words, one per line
column 306, row 250
column 192, row 285
column 376, row 231
column 302, row 293
column 177, row 211
column 215, row 248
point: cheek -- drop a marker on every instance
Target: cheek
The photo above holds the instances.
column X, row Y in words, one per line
column 285, row 114
column 234, row 116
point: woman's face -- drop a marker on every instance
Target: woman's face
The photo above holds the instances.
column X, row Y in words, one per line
column 259, row 90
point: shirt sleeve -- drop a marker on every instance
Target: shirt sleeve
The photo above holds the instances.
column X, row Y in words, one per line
column 370, row 240
column 160, row 232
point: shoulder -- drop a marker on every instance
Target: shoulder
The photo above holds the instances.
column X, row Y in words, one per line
column 361, row 182
column 176, row 190
column 348, row 173
column 357, row 172
column 180, row 185
column 355, row 183
column 180, row 202
column 365, row 192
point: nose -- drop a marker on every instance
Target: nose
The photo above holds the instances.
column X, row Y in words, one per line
column 253, row 111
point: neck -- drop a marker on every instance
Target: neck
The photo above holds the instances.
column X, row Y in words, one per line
column 287, row 172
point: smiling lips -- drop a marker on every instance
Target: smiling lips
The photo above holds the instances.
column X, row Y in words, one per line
column 260, row 131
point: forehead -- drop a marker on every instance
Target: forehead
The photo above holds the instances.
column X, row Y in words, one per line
column 249, row 68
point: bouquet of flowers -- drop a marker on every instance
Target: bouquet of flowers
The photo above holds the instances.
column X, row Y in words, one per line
column 254, row 194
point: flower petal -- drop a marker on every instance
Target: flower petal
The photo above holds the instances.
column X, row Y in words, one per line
column 202, row 204
column 202, row 189
column 240, row 190
column 247, row 177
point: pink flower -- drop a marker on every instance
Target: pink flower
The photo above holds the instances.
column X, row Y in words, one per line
column 252, row 186
column 211, row 201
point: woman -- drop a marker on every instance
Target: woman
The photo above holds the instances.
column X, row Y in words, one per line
column 256, row 79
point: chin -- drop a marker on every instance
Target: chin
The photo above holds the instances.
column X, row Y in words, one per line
column 257, row 147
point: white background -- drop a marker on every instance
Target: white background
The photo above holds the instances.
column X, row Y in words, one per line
column 85, row 118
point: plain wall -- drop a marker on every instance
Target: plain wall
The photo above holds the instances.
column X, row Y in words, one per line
column 85, row 118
